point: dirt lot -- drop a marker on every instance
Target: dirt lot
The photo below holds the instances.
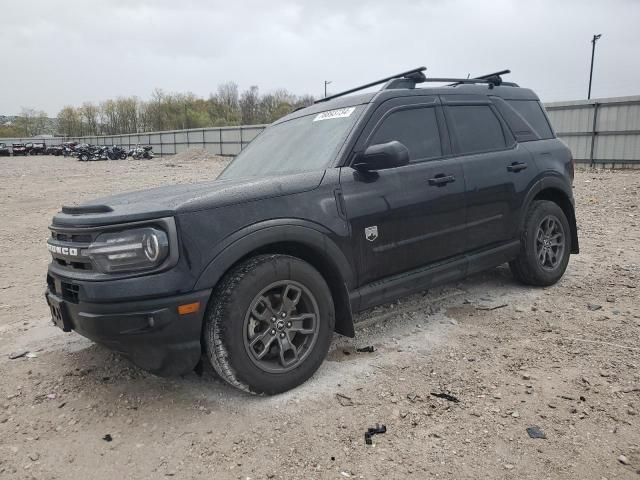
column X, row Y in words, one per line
column 565, row 359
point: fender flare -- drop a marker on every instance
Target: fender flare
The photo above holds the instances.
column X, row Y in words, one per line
column 310, row 235
column 552, row 182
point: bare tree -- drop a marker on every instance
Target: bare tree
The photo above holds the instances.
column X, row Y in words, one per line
column 250, row 106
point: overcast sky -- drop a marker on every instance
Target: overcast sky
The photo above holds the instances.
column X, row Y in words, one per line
column 56, row 53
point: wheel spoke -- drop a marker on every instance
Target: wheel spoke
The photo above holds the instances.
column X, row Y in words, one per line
column 290, row 297
column 550, row 226
column 266, row 339
column 263, row 309
column 298, row 323
column 287, row 346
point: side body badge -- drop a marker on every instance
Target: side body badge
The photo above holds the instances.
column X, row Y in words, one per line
column 371, row 233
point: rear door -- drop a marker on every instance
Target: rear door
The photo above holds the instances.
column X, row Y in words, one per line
column 497, row 170
column 406, row 217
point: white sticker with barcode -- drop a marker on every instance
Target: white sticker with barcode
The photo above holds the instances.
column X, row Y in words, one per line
column 339, row 113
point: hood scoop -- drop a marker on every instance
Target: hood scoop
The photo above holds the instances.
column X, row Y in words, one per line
column 86, row 209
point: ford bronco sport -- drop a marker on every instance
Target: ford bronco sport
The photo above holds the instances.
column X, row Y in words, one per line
column 346, row 204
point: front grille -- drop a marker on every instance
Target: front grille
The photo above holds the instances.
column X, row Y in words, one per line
column 77, row 241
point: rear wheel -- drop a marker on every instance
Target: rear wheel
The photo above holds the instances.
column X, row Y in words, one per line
column 269, row 324
column 545, row 245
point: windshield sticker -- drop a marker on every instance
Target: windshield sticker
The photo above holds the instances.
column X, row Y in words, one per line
column 339, row 113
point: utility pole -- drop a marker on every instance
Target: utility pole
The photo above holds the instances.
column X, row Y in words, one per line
column 593, row 53
column 326, row 82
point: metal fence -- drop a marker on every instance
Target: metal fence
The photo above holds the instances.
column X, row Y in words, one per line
column 599, row 132
column 603, row 131
column 226, row 141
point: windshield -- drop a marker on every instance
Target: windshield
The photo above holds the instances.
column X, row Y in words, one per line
column 299, row 145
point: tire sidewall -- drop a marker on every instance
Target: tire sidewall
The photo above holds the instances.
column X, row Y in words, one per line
column 229, row 322
column 541, row 210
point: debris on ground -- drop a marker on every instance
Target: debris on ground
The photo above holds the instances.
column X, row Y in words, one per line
column 18, row 354
column 446, row 396
column 492, row 307
column 344, row 400
column 367, row 349
column 377, row 430
column 623, row 460
column 535, row 432
column 107, row 437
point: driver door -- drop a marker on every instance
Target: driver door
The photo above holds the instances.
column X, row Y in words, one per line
column 411, row 216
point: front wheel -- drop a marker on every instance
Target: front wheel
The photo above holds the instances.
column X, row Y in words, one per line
column 545, row 245
column 269, row 324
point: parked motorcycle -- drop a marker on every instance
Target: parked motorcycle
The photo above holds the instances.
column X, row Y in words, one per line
column 116, row 153
column 141, row 152
column 87, row 152
column 69, row 148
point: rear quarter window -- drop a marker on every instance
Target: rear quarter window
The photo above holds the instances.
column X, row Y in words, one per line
column 531, row 111
column 477, row 128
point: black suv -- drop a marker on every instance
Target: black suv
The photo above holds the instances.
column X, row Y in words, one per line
column 4, row 150
column 340, row 206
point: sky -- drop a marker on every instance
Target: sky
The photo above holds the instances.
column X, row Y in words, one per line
column 56, row 53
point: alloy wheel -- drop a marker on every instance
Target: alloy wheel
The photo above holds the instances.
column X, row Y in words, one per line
column 550, row 243
column 281, row 326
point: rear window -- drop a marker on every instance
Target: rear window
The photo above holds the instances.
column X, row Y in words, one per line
column 477, row 128
column 532, row 112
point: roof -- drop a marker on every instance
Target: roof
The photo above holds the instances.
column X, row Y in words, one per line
column 504, row 91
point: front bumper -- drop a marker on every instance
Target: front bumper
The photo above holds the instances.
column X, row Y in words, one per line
column 150, row 332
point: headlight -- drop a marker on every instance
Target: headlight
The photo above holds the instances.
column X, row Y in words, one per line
column 129, row 251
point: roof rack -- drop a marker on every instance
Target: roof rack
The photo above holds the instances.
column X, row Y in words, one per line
column 410, row 78
column 414, row 76
column 494, row 78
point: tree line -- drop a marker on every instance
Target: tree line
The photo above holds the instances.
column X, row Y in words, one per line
column 163, row 111
column 30, row 122
column 173, row 111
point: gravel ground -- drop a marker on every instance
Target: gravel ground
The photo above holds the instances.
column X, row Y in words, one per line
column 564, row 359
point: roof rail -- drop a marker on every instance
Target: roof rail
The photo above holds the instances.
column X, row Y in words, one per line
column 411, row 76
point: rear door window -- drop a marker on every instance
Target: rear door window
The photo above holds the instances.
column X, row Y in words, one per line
column 416, row 128
column 477, row 128
column 532, row 112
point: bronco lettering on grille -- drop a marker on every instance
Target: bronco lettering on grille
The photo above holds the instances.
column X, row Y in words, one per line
column 62, row 250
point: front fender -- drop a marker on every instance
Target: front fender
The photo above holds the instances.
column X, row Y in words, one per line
column 252, row 238
column 284, row 235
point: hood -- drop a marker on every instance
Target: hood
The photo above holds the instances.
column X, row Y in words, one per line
column 175, row 199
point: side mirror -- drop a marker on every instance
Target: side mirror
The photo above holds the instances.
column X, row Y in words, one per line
column 382, row 156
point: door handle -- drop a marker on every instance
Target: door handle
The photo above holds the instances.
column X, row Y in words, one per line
column 516, row 166
column 441, row 180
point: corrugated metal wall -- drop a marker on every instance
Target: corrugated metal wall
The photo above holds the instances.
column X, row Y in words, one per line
column 599, row 131
column 227, row 141
column 613, row 138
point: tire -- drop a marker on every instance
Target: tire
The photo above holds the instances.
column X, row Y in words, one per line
column 545, row 245
column 240, row 324
column 84, row 157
